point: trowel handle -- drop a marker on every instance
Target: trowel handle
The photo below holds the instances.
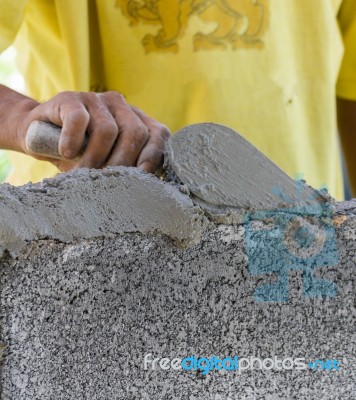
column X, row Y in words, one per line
column 42, row 138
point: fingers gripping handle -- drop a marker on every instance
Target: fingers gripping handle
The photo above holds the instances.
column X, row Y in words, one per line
column 42, row 138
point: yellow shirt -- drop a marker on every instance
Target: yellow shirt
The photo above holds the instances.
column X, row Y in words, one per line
column 267, row 68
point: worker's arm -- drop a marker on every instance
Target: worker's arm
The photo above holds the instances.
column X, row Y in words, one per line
column 346, row 115
column 119, row 134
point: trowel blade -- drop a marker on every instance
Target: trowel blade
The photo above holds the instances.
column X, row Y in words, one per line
column 222, row 168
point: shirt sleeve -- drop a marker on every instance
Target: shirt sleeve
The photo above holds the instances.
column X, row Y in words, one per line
column 11, row 16
column 346, row 84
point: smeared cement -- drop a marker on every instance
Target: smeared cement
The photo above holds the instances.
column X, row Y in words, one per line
column 91, row 203
column 227, row 175
column 220, row 176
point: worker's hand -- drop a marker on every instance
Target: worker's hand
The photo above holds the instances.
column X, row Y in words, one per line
column 119, row 134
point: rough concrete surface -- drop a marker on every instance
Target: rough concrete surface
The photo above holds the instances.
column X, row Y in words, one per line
column 79, row 311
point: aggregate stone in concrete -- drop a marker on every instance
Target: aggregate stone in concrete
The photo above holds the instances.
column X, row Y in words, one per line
column 78, row 318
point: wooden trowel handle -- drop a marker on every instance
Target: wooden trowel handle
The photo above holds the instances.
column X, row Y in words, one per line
column 42, row 138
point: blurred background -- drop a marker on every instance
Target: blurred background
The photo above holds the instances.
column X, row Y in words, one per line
column 11, row 77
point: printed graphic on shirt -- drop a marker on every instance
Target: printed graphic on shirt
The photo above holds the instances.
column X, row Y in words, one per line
column 239, row 23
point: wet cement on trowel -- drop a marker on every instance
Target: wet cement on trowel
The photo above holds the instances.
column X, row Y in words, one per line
column 227, row 175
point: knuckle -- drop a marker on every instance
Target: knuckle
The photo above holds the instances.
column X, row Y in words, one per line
column 160, row 131
column 108, row 128
column 164, row 132
column 78, row 114
column 65, row 93
column 90, row 97
column 61, row 96
column 113, row 96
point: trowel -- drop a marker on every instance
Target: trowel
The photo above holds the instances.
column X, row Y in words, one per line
column 215, row 163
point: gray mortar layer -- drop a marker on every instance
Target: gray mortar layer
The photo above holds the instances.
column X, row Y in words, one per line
column 78, row 319
column 91, row 203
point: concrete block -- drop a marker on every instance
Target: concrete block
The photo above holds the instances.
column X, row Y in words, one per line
column 83, row 305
